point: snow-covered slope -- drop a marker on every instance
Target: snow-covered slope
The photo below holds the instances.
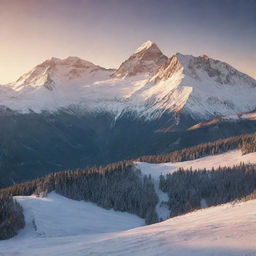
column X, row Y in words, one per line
column 218, row 88
column 147, row 83
column 228, row 159
column 56, row 216
column 53, row 84
column 201, row 87
column 227, row 230
column 56, row 72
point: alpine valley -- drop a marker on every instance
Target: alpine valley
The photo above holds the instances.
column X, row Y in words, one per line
column 70, row 113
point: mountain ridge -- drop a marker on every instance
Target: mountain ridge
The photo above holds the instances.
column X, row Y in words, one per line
column 148, row 84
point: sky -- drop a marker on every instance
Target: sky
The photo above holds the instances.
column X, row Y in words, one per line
column 106, row 32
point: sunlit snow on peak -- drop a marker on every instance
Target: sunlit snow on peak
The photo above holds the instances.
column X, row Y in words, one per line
column 146, row 45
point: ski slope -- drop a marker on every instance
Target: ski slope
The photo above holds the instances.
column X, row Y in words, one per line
column 226, row 230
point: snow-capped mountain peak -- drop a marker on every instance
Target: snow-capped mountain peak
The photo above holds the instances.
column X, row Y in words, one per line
column 146, row 45
column 217, row 70
column 217, row 88
column 201, row 87
column 147, row 59
column 55, row 70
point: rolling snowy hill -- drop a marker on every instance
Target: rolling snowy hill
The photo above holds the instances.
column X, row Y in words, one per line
column 84, row 229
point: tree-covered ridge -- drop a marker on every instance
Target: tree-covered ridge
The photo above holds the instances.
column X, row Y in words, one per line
column 187, row 188
column 119, row 186
column 11, row 217
column 247, row 143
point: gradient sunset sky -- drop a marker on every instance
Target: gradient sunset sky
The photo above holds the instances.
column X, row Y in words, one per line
column 106, row 32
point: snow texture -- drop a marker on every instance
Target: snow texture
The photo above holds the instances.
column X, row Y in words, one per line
column 146, row 45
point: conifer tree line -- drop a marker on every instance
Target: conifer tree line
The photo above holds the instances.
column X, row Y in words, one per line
column 119, row 186
column 11, row 217
column 187, row 188
column 247, row 143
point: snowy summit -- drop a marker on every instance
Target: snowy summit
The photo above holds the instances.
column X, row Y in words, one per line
column 145, row 46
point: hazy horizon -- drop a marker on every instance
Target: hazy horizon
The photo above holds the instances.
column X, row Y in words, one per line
column 107, row 32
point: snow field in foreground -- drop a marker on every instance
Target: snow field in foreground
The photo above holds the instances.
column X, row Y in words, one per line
column 226, row 230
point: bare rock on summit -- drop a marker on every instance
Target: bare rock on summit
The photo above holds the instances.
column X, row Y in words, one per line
column 146, row 60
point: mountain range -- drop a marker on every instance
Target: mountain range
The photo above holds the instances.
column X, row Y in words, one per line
column 148, row 84
column 71, row 113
